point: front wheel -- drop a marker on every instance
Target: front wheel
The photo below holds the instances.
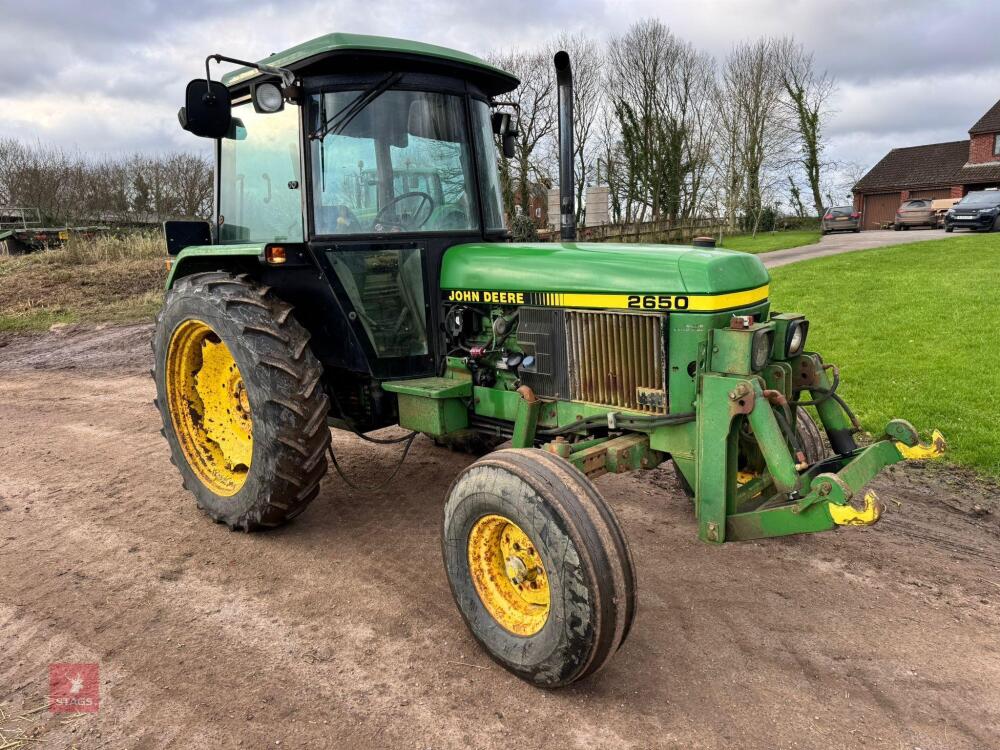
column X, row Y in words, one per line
column 239, row 392
column 948, row 229
column 538, row 566
column 810, row 437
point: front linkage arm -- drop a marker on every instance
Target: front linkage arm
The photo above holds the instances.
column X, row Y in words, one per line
column 815, row 498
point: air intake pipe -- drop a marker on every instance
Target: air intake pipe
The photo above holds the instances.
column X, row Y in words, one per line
column 564, row 81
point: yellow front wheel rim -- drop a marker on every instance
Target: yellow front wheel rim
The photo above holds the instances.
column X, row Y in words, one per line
column 508, row 574
column 209, row 407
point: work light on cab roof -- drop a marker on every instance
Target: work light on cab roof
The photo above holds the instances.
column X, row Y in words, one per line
column 358, row 273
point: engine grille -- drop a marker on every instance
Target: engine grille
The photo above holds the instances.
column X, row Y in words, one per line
column 616, row 359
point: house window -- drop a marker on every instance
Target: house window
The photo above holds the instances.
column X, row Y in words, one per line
column 996, row 144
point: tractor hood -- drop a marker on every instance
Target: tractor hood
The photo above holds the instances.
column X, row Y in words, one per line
column 591, row 274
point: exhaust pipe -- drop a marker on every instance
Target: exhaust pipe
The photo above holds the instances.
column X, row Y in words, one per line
column 564, row 81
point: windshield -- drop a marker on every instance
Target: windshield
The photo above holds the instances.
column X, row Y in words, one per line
column 980, row 200
column 400, row 163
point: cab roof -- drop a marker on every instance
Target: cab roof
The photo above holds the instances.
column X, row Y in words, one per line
column 303, row 56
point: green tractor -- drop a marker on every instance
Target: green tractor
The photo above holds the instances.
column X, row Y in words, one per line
column 307, row 304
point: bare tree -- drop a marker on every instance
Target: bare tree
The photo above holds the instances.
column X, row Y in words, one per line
column 71, row 188
column 756, row 135
column 535, row 100
column 808, row 91
column 659, row 89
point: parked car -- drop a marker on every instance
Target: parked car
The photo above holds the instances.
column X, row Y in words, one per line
column 941, row 206
column 918, row 212
column 980, row 209
column 840, row 219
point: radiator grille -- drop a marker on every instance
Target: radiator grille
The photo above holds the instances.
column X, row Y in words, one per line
column 616, row 359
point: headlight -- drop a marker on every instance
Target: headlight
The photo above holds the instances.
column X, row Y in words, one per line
column 267, row 98
column 795, row 337
column 760, row 349
column 988, row 210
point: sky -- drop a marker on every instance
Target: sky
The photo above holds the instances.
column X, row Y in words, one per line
column 108, row 77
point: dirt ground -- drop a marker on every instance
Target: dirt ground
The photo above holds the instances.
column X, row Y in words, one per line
column 339, row 630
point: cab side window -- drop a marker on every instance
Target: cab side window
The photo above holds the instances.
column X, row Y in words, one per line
column 259, row 196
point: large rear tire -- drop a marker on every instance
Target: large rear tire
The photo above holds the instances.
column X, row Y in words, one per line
column 239, row 392
column 538, row 565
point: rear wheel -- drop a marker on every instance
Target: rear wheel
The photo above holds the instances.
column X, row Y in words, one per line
column 538, row 566
column 240, row 396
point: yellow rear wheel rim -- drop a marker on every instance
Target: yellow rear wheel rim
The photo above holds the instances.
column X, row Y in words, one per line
column 209, row 408
column 508, row 574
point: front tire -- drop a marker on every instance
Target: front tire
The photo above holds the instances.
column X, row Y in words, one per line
column 810, row 437
column 538, row 566
column 239, row 393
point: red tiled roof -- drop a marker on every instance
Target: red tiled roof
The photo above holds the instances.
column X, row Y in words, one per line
column 972, row 173
column 988, row 123
column 933, row 165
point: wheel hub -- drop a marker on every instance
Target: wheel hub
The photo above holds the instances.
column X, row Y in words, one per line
column 226, row 407
column 209, row 407
column 509, row 575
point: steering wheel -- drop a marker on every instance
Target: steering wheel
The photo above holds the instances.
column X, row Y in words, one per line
column 401, row 223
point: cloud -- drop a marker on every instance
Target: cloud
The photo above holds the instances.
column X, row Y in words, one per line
column 109, row 77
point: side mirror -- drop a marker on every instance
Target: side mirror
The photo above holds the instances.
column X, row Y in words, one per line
column 508, row 143
column 503, row 126
column 207, row 110
column 501, row 122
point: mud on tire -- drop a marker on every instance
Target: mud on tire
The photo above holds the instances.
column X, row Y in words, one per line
column 588, row 567
column 282, row 380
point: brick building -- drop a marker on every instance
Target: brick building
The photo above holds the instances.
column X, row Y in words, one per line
column 937, row 170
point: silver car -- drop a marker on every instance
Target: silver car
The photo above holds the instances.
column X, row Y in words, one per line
column 840, row 219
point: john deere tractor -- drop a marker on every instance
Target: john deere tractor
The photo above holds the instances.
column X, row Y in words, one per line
column 358, row 274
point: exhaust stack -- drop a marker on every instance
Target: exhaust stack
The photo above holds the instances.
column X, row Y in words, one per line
column 564, row 81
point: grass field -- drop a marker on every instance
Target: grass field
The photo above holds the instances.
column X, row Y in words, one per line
column 915, row 332
column 765, row 242
column 105, row 280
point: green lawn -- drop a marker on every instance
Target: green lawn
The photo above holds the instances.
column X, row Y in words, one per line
column 765, row 242
column 916, row 333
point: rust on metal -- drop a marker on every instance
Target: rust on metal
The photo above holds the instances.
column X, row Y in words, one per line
column 617, row 359
column 741, row 400
column 806, row 374
column 527, row 394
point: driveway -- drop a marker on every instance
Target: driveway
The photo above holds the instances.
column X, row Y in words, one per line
column 835, row 244
column 339, row 630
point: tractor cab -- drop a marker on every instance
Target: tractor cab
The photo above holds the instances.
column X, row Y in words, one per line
column 370, row 157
